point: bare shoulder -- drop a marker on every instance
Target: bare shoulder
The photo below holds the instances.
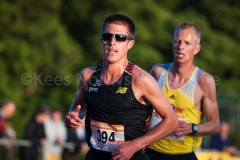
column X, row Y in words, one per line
column 206, row 82
column 86, row 73
column 141, row 77
column 144, row 86
column 156, row 70
column 205, row 79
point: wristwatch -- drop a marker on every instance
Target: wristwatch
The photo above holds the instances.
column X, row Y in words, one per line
column 194, row 128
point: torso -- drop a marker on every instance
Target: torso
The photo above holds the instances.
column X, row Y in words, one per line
column 198, row 94
column 114, row 105
column 2, row 124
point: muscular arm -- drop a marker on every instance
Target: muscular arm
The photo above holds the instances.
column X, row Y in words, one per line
column 205, row 101
column 72, row 119
column 146, row 89
column 209, row 106
column 153, row 95
column 160, row 104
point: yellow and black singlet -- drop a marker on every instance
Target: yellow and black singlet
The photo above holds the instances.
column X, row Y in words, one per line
column 182, row 101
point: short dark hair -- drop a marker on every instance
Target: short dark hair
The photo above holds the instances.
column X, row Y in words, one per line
column 120, row 19
column 40, row 109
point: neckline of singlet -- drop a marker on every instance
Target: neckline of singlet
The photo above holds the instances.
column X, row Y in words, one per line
column 185, row 84
column 128, row 68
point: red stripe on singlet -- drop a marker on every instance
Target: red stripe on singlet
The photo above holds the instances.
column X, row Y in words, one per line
column 128, row 68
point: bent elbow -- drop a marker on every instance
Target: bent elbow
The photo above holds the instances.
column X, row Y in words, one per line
column 217, row 129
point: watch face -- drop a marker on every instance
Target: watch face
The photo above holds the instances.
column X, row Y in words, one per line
column 195, row 128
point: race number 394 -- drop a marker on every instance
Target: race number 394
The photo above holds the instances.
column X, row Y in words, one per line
column 103, row 132
column 104, row 137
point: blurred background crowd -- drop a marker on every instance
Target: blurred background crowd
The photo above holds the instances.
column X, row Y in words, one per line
column 44, row 136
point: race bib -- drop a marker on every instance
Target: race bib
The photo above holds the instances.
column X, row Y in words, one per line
column 103, row 132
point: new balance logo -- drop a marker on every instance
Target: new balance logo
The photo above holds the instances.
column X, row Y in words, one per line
column 172, row 97
column 122, row 90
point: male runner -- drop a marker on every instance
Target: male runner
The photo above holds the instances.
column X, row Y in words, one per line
column 114, row 96
column 192, row 94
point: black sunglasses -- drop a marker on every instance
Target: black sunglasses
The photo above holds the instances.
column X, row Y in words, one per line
column 118, row 37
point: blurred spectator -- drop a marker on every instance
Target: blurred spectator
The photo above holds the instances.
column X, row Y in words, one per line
column 220, row 141
column 35, row 133
column 9, row 149
column 56, row 135
column 81, row 133
column 7, row 110
column 77, row 144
